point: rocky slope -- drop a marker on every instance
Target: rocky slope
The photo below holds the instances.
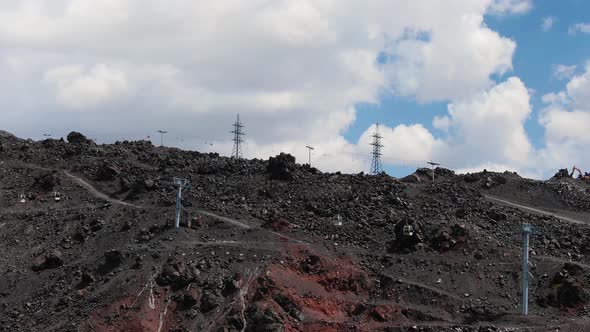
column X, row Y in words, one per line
column 271, row 245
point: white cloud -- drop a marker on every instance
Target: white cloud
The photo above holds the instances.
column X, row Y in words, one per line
column 555, row 98
column 441, row 123
column 489, row 127
column 511, row 6
column 562, row 72
column 567, row 124
column 548, row 23
column 484, row 129
column 562, row 126
column 579, row 27
column 79, row 87
column 450, row 65
column 402, row 143
column 578, row 88
column 294, row 70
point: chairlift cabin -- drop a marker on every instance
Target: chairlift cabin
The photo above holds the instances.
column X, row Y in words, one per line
column 408, row 230
column 338, row 220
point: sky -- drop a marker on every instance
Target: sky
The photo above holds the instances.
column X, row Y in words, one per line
column 471, row 84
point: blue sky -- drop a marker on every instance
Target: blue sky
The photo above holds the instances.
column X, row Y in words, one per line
column 536, row 54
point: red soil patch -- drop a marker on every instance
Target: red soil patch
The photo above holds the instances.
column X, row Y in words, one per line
column 133, row 314
column 314, row 292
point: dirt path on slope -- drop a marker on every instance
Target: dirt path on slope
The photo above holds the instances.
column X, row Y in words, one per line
column 534, row 210
column 97, row 193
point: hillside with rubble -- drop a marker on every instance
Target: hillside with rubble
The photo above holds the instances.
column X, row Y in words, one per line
column 88, row 243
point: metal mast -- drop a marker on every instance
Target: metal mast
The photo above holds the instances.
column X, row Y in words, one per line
column 526, row 230
column 433, row 164
column 181, row 184
column 376, row 162
column 237, row 150
column 162, row 132
column 309, row 148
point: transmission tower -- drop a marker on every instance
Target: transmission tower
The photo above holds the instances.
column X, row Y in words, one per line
column 237, row 150
column 376, row 162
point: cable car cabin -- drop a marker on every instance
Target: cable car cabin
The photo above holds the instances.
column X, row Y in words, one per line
column 408, row 230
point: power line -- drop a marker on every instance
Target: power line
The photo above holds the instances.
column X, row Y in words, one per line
column 376, row 161
column 237, row 150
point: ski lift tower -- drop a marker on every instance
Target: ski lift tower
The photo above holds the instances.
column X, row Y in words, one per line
column 433, row 164
column 181, row 184
column 526, row 231
column 162, row 132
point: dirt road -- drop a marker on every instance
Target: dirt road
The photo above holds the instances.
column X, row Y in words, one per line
column 534, row 210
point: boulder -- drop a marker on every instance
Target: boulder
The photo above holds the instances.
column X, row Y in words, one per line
column 113, row 257
column 176, row 274
column 47, row 182
column 209, row 301
column 107, row 172
column 281, row 167
column 51, row 260
column 77, row 138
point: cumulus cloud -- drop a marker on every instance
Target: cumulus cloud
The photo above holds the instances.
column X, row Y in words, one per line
column 578, row 88
column 402, row 143
column 555, row 98
column 511, row 6
column 294, row 70
column 449, row 65
column 579, row 27
column 490, row 125
column 484, row 129
column 567, row 123
column 562, row 72
column 548, row 23
column 441, row 123
column 79, row 87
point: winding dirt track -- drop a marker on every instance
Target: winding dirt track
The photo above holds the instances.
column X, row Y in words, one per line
column 97, row 193
column 534, row 210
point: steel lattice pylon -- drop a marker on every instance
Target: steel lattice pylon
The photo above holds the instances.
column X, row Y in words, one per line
column 376, row 167
column 237, row 150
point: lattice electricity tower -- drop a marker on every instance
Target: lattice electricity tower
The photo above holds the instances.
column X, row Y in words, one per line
column 181, row 184
column 237, row 150
column 376, row 162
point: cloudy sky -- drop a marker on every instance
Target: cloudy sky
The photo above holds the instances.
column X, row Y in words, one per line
column 472, row 84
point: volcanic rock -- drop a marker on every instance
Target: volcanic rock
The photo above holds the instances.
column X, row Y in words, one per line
column 281, row 167
column 113, row 257
column 209, row 301
column 50, row 260
column 47, row 182
column 77, row 138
